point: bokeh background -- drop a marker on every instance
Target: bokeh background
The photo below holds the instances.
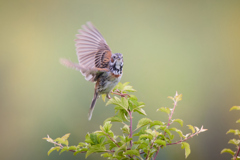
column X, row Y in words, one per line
column 192, row 47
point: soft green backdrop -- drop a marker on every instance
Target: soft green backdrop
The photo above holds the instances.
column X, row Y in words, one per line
column 189, row 46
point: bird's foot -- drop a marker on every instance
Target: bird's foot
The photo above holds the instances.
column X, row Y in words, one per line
column 117, row 92
column 108, row 96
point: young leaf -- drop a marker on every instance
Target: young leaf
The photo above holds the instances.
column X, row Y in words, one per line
column 129, row 89
column 144, row 121
column 88, row 139
column 53, row 149
column 154, row 123
column 48, row 139
column 62, row 141
column 178, row 131
column 113, row 119
column 192, row 128
column 93, row 137
column 140, row 111
column 66, row 136
column 95, row 148
column 107, row 126
column 160, row 142
column 238, row 121
column 123, row 102
column 106, row 155
column 179, row 121
column 103, row 97
column 236, row 132
column 148, row 136
column 125, row 129
column 227, row 150
column 178, row 97
column 187, row 148
column 164, row 109
column 234, row 141
column 64, row 149
column 235, row 108
column 133, row 152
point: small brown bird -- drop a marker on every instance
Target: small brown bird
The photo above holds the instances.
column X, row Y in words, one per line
column 96, row 62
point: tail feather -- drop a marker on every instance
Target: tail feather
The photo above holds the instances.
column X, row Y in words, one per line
column 92, row 105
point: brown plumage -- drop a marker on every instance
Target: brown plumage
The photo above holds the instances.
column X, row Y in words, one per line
column 96, row 62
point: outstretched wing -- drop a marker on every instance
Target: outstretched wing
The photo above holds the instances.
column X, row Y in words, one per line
column 92, row 51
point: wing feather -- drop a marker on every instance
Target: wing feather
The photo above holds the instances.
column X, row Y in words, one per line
column 92, row 51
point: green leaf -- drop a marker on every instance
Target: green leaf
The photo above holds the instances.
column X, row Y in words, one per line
column 88, row 139
column 234, row 141
column 53, row 149
column 164, row 109
column 64, row 149
column 154, row 123
column 81, row 144
column 129, row 89
column 80, row 150
column 178, row 131
column 123, row 115
column 187, row 148
column 113, row 119
column 133, row 152
column 107, row 126
column 93, row 137
column 61, row 141
column 135, row 146
column 160, row 142
column 65, row 137
column 101, row 139
column 119, row 86
column 103, row 97
column 123, row 102
column 178, row 97
column 125, row 129
column 236, row 132
column 95, row 148
column 148, row 136
column 179, row 121
column 235, row 108
column 192, row 128
column 227, row 150
column 106, row 155
column 238, row 121
column 144, row 121
column 140, row 111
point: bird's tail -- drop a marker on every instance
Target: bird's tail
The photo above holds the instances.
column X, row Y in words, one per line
column 92, row 105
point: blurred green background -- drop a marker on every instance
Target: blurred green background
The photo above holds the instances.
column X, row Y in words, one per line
column 189, row 46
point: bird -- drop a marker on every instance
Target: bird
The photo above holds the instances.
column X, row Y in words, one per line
column 97, row 63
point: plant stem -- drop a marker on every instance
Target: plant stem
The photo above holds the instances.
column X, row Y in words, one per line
column 150, row 147
column 170, row 117
column 237, row 153
column 156, row 153
column 130, row 127
column 61, row 146
column 169, row 120
column 112, row 140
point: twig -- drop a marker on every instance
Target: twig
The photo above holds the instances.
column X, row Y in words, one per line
column 150, row 147
column 112, row 140
column 235, row 158
column 61, row 146
column 130, row 127
column 169, row 120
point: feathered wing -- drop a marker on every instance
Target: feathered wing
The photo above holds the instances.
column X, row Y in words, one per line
column 93, row 52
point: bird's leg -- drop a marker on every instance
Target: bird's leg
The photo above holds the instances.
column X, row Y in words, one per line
column 117, row 92
column 108, row 96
